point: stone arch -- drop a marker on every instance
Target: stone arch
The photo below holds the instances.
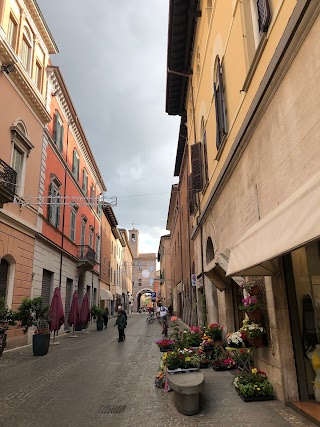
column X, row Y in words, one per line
column 209, row 250
column 139, row 295
column 19, row 123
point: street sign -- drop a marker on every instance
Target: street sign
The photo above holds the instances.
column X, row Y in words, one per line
column 193, row 280
column 153, row 296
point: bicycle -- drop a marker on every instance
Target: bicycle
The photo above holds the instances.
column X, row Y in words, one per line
column 150, row 319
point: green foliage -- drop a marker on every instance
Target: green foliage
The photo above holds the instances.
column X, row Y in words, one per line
column 7, row 317
column 33, row 312
column 96, row 312
column 253, row 384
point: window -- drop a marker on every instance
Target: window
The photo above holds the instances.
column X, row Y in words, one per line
column 104, row 264
column 151, row 268
column 85, row 182
column 140, row 282
column 91, row 233
column 111, row 275
column 20, row 152
column 73, row 224
column 75, row 164
column 221, row 118
column 205, row 153
column 261, row 16
column 12, row 32
column 83, row 231
column 133, row 237
column 4, row 274
column 92, row 195
column 197, row 168
column 26, row 49
column 114, row 277
column 97, row 248
column 58, row 131
column 38, row 76
column 54, row 203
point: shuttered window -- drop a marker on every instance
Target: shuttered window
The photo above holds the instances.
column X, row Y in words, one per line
column 46, row 286
column 75, row 164
column 264, row 15
column 196, row 162
column 17, row 164
column 54, row 205
column 205, row 159
column 190, row 196
column 220, row 106
column 73, row 225
column 58, row 131
column 85, row 182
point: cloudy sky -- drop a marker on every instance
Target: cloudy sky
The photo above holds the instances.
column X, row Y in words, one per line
column 113, row 57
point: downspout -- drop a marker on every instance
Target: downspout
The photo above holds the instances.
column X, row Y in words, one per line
column 64, row 206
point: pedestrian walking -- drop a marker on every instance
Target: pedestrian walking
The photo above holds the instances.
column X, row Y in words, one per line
column 122, row 323
column 105, row 316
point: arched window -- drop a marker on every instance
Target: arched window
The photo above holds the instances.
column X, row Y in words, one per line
column 209, row 250
column 220, row 106
column 26, row 48
column 4, row 274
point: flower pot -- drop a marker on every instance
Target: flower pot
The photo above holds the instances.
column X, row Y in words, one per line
column 254, row 290
column 3, row 338
column 99, row 325
column 234, row 345
column 40, row 344
column 208, row 348
column 255, row 342
column 255, row 315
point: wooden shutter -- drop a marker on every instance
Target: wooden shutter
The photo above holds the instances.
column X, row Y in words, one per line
column 61, row 137
column 205, row 158
column 196, row 162
column 55, row 126
column 218, row 142
column 223, row 124
column 190, row 196
column 58, row 198
column 264, row 15
column 50, row 207
column 46, row 286
column 74, row 162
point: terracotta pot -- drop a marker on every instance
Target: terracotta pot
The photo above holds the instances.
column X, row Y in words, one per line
column 255, row 315
column 255, row 342
column 254, row 290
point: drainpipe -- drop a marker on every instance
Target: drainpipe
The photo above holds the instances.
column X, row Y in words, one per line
column 64, row 206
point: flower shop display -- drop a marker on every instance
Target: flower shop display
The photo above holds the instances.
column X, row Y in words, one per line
column 251, row 287
column 33, row 312
column 221, row 361
column 254, row 333
column 253, row 386
column 193, row 336
column 165, row 345
column 251, row 306
column 200, row 360
column 235, row 339
column 207, row 343
column 213, row 331
column 179, row 359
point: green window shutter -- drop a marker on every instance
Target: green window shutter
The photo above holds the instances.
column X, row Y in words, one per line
column 55, row 126
column 58, row 210
column 197, row 168
column 61, row 138
column 74, row 162
column 50, row 210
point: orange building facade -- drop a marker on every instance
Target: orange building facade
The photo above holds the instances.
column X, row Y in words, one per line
column 67, row 248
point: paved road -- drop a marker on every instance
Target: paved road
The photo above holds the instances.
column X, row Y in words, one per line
column 83, row 379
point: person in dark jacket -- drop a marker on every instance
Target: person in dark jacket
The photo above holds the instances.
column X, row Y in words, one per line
column 105, row 316
column 122, row 323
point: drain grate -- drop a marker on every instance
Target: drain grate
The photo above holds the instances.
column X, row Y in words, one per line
column 112, row 409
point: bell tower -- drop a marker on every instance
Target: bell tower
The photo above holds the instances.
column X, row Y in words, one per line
column 134, row 242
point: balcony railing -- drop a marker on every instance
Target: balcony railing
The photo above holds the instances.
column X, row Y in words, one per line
column 86, row 255
column 8, row 179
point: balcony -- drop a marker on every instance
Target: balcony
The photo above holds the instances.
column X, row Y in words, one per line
column 8, row 179
column 86, row 258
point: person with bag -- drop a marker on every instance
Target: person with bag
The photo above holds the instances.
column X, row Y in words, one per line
column 163, row 313
column 122, row 323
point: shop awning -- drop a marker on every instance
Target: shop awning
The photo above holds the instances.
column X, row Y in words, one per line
column 292, row 224
column 105, row 294
column 216, row 271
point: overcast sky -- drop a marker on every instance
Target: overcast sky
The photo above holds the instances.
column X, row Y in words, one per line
column 113, row 56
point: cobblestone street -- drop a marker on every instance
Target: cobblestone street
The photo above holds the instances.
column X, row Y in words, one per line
column 82, row 380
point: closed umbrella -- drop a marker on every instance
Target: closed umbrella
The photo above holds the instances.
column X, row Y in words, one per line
column 56, row 313
column 85, row 311
column 74, row 314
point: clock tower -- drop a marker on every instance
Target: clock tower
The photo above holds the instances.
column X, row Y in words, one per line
column 134, row 242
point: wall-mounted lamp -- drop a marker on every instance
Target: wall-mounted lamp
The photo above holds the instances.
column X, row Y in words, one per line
column 9, row 68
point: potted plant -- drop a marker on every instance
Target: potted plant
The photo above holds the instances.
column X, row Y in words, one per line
column 253, row 386
column 254, row 333
column 33, row 312
column 214, row 331
column 251, row 287
column 6, row 319
column 235, row 339
column 207, row 343
column 193, row 336
column 165, row 345
column 96, row 313
column 251, row 306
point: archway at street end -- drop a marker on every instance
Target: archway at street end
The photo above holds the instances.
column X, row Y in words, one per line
column 143, row 298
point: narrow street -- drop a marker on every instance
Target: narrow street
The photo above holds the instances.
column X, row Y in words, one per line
column 83, row 379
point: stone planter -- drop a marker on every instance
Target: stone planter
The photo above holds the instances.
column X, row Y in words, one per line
column 182, row 370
